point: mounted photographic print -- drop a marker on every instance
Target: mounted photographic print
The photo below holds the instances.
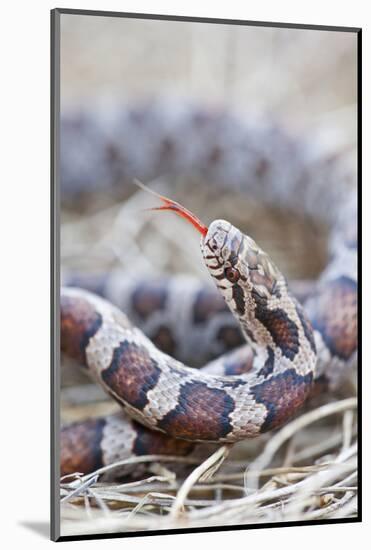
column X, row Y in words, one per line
column 204, row 180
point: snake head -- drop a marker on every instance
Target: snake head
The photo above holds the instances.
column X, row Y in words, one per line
column 236, row 262
column 238, row 266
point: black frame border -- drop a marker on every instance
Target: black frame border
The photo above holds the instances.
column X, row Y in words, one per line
column 55, row 268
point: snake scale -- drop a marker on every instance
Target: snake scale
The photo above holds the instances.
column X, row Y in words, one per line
column 289, row 346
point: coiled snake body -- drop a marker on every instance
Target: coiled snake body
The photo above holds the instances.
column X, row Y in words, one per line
column 251, row 390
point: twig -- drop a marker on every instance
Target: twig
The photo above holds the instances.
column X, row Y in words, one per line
column 347, row 428
column 207, row 468
column 136, row 460
column 288, row 431
column 83, row 486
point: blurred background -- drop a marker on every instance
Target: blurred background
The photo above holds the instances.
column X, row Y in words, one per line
column 305, row 80
column 302, row 80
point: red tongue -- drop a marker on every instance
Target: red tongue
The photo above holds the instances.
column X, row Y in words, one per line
column 177, row 208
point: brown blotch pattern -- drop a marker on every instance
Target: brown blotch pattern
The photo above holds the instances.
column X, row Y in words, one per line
column 206, row 305
column 148, row 442
column 148, row 298
column 202, row 413
column 334, row 315
column 282, row 395
column 163, row 338
column 282, row 329
column 81, row 446
column 230, row 337
column 79, row 322
column 132, row 374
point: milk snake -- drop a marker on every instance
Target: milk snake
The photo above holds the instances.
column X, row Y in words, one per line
column 168, row 407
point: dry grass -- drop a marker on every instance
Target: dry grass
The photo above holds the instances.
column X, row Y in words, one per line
column 305, row 471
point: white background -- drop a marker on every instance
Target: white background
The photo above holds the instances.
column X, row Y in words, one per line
column 24, row 188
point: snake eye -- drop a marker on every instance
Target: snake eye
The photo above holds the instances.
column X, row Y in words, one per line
column 232, row 274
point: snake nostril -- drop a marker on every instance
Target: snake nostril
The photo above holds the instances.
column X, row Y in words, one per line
column 212, row 245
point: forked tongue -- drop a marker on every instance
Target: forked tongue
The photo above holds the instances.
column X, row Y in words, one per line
column 169, row 204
